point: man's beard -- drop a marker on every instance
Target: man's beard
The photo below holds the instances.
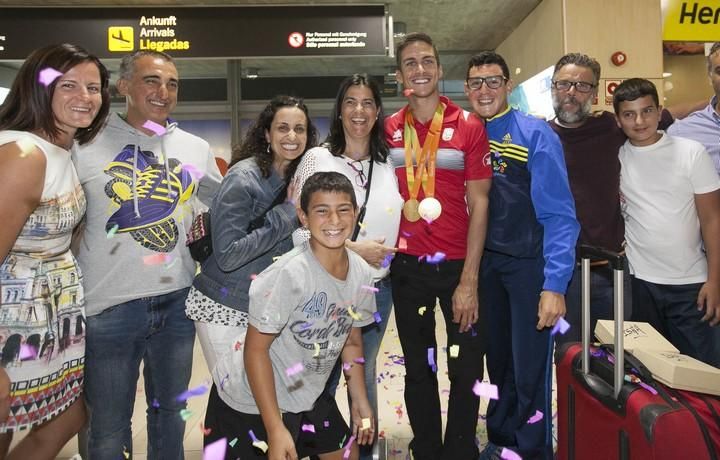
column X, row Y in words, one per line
column 582, row 112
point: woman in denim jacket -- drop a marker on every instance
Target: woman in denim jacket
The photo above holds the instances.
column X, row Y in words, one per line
column 260, row 171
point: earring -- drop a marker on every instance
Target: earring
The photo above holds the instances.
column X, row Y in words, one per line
column 268, row 148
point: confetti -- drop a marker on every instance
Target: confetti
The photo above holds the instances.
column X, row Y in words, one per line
column 185, row 414
column 435, row 258
column 326, row 424
column 360, row 360
column 126, row 453
column 112, row 231
column 508, row 454
column 238, row 345
column 253, row 276
column 387, row 260
column 421, row 310
column 431, row 359
column 156, row 259
column 407, row 92
column 205, row 431
column 26, row 146
column 648, row 387
column 197, row 391
column 353, row 314
column 536, row 418
column 308, row 427
column 262, row 445
column 365, row 424
column 296, row 369
column 194, row 172
column 378, row 318
column 472, row 331
column 454, row 351
column 224, row 291
column 347, row 366
column 222, row 382
column 232, row 443
column 369, row 288
column 154, row 127
column 155, row 403
column 48, row 75
column 487, row 390
column 346, row 454
column 317, row 349
column 215, row 450
column 27, row 352
column 402, row 244
column 561, row 326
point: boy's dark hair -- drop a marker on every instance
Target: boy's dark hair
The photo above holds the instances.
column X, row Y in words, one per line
column 634, row 88
column 326, row 182
column 488, row 58
column 335, row 141
column 28, row 106
column 582, row 60
column 413, row 37
column 714, row 49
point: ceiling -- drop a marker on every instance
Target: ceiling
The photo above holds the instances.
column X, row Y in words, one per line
column 458, row 27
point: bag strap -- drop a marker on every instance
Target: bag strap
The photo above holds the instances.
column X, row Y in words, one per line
column 259, row 221
column 361, row 213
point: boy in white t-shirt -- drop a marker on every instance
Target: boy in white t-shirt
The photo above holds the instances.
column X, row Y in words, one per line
column 306, row 311
column 671, row 204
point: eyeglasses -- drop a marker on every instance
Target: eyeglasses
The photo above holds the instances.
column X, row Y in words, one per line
column 492, row 82
column 360, row 178
column 580, row 86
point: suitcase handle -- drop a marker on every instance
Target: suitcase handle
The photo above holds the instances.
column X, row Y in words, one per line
column 616, row 261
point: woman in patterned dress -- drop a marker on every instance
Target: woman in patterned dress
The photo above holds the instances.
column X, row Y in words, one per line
column 59, row 96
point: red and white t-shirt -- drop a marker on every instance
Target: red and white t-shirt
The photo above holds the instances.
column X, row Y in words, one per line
column 463, row 155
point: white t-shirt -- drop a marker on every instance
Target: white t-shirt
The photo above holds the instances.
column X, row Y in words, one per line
column 382, row 214
column 312, row 314
column 658, row 184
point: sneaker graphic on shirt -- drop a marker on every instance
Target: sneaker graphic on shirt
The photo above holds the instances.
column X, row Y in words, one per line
column 157, row 193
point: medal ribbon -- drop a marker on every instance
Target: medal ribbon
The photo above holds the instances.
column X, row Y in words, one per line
column 425, row 154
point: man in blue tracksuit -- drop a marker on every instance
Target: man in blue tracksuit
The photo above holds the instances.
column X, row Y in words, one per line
column 527, row 264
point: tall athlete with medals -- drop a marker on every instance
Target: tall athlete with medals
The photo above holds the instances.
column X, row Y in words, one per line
column 441, row 158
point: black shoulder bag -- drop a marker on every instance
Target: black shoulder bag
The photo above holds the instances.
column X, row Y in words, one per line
column 361, row 213
column 199, row 239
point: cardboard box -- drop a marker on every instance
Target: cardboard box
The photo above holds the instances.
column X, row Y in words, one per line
column 662, row 359
column 681, row 371
column 637, row 335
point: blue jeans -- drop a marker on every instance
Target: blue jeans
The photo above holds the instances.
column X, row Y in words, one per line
column 372, row 336
column 672, row 311
column 153, row 330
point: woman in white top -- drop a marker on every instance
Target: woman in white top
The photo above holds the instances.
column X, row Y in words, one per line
column 60, row 96
column 356, row 147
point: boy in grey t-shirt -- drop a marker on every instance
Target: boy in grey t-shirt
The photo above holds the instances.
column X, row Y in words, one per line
column 306, row 310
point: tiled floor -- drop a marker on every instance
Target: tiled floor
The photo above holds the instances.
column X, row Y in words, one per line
column 394, row 425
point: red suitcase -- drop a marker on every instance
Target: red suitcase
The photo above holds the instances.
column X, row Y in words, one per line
column 600, row 416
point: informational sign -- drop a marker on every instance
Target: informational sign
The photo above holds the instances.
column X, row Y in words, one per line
column 200, row 32
column 691, row 20
column 610, row 86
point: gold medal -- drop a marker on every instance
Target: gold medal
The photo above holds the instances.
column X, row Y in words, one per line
column 410, row 210
column 429, row 209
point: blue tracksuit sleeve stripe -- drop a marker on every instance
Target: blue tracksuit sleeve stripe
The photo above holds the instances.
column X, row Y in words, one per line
column 554, row 208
